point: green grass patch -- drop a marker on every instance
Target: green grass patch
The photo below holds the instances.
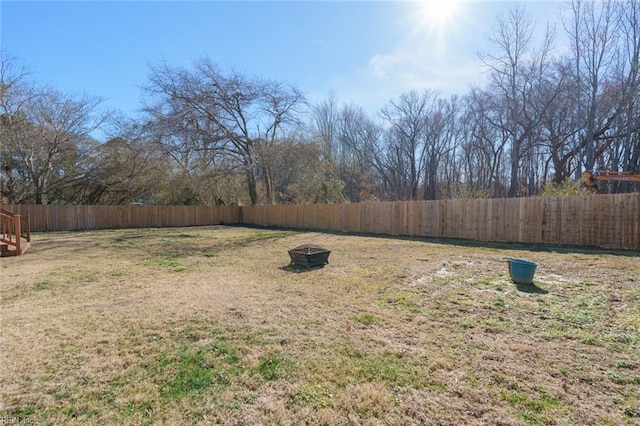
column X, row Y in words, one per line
column 194, row 371
column 44, row 285
column 315, row 395
column 533, row 410
column 467, row 323
column 623, row 380
column 365, row 319
column 491, row 281
column 498, row 303
column 589, row 339
column 350, row 365
column 275, row 366
column 405, row 300
column 626, row 364
column 130, row 241
column 170, row 262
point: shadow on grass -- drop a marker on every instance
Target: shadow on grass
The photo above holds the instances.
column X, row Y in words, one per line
column 297, row 269
column 530, row 288
column 533, row 247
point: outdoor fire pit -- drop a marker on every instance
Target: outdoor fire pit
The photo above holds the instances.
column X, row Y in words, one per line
column 309, row 255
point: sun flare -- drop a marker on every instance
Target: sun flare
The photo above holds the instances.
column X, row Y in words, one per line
column 438, row 21
column 439, row 12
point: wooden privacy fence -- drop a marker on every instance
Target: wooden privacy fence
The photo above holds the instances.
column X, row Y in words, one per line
column 84, row 217
column 611, row 221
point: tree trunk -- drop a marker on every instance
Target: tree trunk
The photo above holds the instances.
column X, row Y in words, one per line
column 515, row 159
column 252, row 186
column 268, row 185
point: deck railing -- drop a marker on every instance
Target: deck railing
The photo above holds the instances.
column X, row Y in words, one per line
column 14, row 228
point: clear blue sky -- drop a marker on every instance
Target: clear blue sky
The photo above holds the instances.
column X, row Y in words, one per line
column 361, row 51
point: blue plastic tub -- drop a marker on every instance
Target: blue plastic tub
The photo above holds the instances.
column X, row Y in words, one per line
column 521, row 271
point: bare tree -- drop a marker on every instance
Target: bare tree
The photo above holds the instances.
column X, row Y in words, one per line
column 485, row 142
column 592, row 30
column 43, row 134
column 128, row 167
column 304, row 174
column 277, row 117
column 238, row 116
column 324, row 118
column 349, row 136
column 15, row 92
column 358, row 134
column 440, row 141
column 629, row 18
column 511, row 39
column 407, row 118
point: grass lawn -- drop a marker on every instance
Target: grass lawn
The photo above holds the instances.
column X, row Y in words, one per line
column 212, row 325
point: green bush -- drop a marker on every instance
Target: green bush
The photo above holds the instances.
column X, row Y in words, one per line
column 566, row 188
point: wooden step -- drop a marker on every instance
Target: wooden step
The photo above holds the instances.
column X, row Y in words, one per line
column 7, row 250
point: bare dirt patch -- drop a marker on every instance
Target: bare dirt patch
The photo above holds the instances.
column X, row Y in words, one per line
column 213, row 325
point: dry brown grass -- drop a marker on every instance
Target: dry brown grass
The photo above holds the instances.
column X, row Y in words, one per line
column 211, row 325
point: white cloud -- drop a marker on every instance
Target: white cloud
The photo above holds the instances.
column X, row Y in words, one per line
column 408, row 67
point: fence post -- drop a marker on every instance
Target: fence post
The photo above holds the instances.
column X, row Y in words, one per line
column 17, row 225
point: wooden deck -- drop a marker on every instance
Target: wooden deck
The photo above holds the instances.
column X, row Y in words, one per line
column 15, row 237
